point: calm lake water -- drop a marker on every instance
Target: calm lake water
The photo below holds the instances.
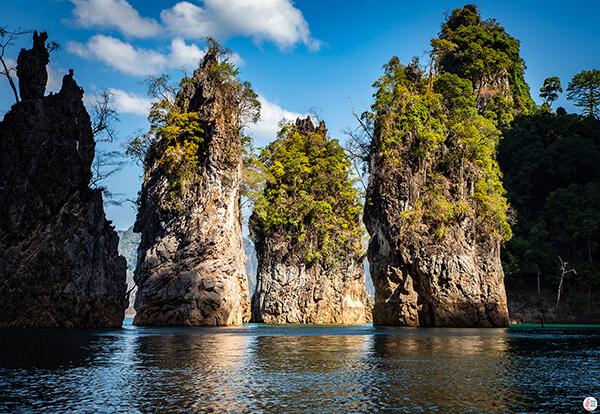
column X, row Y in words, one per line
column 299, row 369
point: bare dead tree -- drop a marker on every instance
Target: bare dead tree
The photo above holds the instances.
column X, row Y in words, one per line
column 106, row 163
column 315, row 114
column 358, row 145
column 563, row 272
column 8, row 38
column 103, row 117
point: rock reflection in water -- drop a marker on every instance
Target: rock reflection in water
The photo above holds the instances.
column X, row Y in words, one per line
column 310, row 374
column 190, row 370
column 298, row 369
column 439, row 370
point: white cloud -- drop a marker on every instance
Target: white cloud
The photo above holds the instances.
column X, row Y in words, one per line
column 130, row 103
column 137, row 61
column 270, row 116
column 184, row 55
column 120, row 55
column 191, row 21
column 55, row 76
column 272, row 20
column 114, row 14
column 10, row 63
column 275, row 20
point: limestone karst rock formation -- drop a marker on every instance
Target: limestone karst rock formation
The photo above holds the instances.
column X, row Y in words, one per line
column 191, row 260
column 419, row 282
column 59, row 263
column 310, row 270
column 434, row 250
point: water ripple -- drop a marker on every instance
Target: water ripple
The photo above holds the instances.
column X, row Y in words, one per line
column 298, row 369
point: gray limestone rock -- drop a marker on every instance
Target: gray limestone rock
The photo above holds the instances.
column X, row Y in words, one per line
column 191, row 267
column 418, row 280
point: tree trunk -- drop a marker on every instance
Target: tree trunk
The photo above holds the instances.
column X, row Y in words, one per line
column 10, row 80
column 562, row 276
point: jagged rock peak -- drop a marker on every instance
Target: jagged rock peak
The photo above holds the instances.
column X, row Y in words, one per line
column 59, row 264
column 70, row 88
column 31, row 68
column 306, row 126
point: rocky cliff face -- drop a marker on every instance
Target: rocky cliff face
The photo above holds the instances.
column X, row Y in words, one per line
column 291, row 292
column 420, row 279
column 191, row 260
column 59, row 264
column 294, row 286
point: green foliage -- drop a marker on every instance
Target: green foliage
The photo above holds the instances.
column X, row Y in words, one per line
column 175, row 141
column 239, row 102
column 550, row 90
column 405, row 105
column 309, row 198
column 254, row 173
column 584, row 89
column 438, row 130
column 457, row 94
column 482, row 52
column 177, row 136
column 551, row 165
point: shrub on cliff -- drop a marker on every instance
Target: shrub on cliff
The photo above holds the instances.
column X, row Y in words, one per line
column 437, row 130
column 176, row 136
column 482, row 52
column 309, row 199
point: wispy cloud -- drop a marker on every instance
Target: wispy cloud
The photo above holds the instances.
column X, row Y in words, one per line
column 270, row 116
column 277, row 21
column 137, row 61
column 114, row 14
column 130, row 103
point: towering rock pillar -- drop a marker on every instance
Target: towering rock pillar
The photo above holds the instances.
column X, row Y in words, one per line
column 307, row 234
column 419, row 279
column 59, row 260
column 191, row 259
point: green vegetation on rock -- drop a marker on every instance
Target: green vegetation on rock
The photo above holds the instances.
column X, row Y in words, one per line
column 175, row 141
column 436, row 124
column 309, row 200
column 481, row 51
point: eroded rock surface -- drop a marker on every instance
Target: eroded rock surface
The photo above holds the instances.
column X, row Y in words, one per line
column 191, row 259
column 421, row 281
column 59, row 263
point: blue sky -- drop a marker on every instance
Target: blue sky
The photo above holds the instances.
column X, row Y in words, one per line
column 297, row 55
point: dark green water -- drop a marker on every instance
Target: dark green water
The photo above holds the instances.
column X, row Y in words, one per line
column 299, row 369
